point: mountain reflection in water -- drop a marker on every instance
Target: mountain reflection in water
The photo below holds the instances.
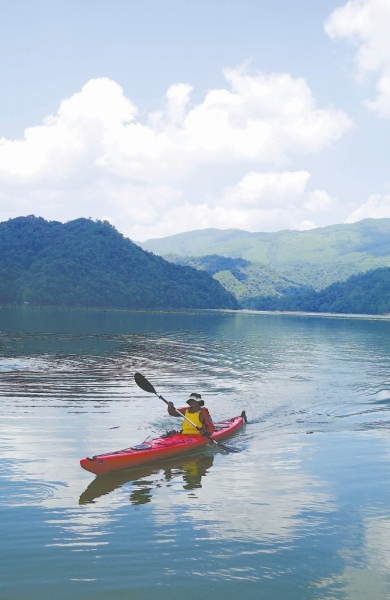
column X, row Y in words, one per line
column 148, row 478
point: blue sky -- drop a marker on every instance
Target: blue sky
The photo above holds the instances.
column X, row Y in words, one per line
column 165, row 116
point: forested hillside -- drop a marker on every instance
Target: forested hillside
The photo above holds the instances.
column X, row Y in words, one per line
column 367, row 293
column 244, row 279
column 315, row 258
column 90, row 264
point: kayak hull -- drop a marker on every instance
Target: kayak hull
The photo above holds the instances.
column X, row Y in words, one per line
column 161, row 448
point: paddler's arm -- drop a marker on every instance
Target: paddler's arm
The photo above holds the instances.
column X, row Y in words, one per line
column 204, row 430
column 208, row 427
column 173, row 411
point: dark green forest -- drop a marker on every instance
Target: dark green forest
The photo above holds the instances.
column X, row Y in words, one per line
column 366, row 293
column 89, row 263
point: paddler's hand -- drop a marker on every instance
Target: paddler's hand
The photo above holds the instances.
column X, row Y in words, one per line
column 171, row 409
column 204, row 431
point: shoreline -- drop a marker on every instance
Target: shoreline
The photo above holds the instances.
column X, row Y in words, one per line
column 248, row 311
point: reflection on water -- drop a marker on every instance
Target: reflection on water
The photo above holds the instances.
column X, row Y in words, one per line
column 191, row 472
column 292, row 516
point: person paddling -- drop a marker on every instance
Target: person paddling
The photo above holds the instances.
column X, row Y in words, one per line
column 198, row 414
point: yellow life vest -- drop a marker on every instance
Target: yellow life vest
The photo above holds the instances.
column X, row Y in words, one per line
column 188, row 429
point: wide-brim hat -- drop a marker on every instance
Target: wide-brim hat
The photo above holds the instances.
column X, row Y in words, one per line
column 195, row 398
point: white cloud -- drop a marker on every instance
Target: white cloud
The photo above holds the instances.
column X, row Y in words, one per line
column 376, row 207
column 96, row 157
column 319, row 200
column 267, row 190
column 306, row 225
column 263, row 117
column 178, row 96
column 381, row 104
column 366, row 23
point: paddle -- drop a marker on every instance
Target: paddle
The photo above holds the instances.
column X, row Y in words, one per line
column 145, row 385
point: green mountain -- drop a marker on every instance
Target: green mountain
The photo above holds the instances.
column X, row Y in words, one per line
column 88, row 263
column 370, row 236
column 314, row 258
column 367, row 293
column 244, row 279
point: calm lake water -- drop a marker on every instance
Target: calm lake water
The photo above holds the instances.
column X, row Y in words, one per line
column 301, row 512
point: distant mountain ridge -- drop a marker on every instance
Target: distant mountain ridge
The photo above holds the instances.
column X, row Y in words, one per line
column 369, row 238
column 315, row 258
column 89, row 263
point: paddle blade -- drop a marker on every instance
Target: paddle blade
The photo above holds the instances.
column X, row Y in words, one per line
column 229, row 449
column 144, row 384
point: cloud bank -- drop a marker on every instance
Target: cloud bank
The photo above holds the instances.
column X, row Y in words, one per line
column 220, row 163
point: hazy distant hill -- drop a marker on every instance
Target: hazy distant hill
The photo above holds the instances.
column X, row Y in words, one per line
column 87, row 263
column 314, row 258
column 367, row 293
column 370, row 237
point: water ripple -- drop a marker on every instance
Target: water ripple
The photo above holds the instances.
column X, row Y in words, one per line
column 25, row 492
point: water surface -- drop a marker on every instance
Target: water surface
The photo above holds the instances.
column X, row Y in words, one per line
column 302, row 512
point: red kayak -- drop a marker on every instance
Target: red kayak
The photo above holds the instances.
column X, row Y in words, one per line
column 161, row 448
